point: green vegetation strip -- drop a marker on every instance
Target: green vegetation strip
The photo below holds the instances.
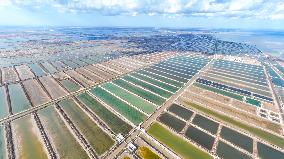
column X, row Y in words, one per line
column 150, row 87
column 27, row 141
column 146, row 153
column 177, row 144
column 269, row 137
column 132, row 99
column 161, row 78
column 225, row 93
column 126, row 110
column 65, row 143
column 98, row 139
column 155, row 82
column 70, row 85
column 116, row 124
column 140, row 92
column 253, row 102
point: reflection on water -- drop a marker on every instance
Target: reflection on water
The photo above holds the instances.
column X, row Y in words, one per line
column 271, row 42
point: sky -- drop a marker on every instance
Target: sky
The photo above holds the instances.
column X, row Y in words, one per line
column 248, row 14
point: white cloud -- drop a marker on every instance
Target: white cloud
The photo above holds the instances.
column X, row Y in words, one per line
column 5, row 3
column 172, row 6
column 239, row 5
column 276, row 16
column 262, row 9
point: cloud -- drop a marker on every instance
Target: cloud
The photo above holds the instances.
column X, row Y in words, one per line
column 260, row 9
column 5, row 3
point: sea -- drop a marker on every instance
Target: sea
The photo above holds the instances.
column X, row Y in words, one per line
column 270, row 42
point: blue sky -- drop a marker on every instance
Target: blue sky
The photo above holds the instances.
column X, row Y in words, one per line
column 251, row 14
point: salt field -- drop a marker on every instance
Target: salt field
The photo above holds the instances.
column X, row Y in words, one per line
column 52, row 87
column 97, row 138
column 24, row 130
column 116, row 124
column 35, row 92
column 59, row 134
column 19, row 101
column 4, row 108
column 3, row 150
column 146, row 93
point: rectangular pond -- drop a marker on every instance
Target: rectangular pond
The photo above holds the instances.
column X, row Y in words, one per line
column 253, row 102
column 79, row 78
column 166, row 74
column 176, row 143
column 136, row 101
column 180, row 111
column 35, row 91
column 70, row 85
column 24, row 72
column 37, row 70
column 71, row 64
column 140, row 92
column 88, row 74
column 267, row 152
column 155, row 82
column 99, row 72
column 4, row 108
column 3, row 149
column 27, row 139
column 98, row 139
column 19, row 101
column 121, row 107
column 200, row 137
column 206, row 123
column 226, row 151
column 172, row 122
column 219, row 91
column 9, row 75
column 59, row 65
column 50, row 68
column 116, row 124
column 176, row 73
column 52, row 87
column 152, row 88
column 267, row 136
column 237, row 138
column 146, row 153
column 161, row 78
column 65, row 143
column 79, row 62
column 183, row 70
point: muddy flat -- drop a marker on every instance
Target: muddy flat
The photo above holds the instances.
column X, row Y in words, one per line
column 24, row 72
column 4, row 111
column 99, row 72
column 79, row 78
column 88, row 74
column 65, row 143
column 52, row 87
column 9, row 75
column 35, row 92
column 27, row 139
